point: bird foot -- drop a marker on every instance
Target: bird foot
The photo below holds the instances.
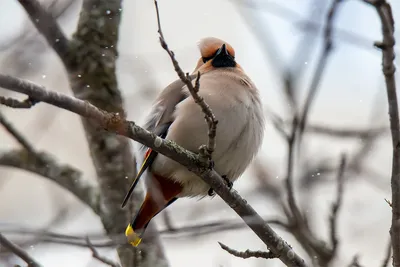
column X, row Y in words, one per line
column 211, row 192
column 229, row 184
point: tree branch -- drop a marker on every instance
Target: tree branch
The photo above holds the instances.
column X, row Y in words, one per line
column 91, row 67
column 97, row 256
column 336, row 205
column 248, row 253
column 17, row 136
column 320, row 68
column 15, row 103
column 384, row 11
column 114, row 122
column 65, row 176
column 47, row 26
column 18, row 251
column 355, row 262
column 386, row 260
column 209, row 115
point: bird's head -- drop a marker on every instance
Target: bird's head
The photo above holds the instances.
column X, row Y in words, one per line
column 216, row 53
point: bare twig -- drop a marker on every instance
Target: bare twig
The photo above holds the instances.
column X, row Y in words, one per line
column 306, row 46
column 168, row 221
column 16, row 134
column 113, row 122
column 97, row 256
column 19, row 252
column 314, row 247
column 289, row 14
column 384, row 11
column 15, row 103
column 47, row 26
column 336, row 205
column 385, row 262
column 333, row 131
column 248, row 253
column 216, row 227
column 320, row 68
column 66, row 176
column 208, row 114
column 372, row 132
column 188, row 231
column 354, row 262
column 289, row 176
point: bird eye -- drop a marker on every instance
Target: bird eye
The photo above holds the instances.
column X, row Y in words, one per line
column 205, row 59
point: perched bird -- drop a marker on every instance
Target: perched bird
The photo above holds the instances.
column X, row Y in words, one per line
column 234, row 100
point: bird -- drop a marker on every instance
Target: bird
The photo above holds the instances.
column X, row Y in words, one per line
column 235, row 101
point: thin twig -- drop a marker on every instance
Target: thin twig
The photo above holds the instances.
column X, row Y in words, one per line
column 333, row 131
column 350, row 132
column 290, row 15
column 315, row 248
column 189, row 231
column 97, row 256
column 354, row 262
column 194, row 91
column 384, row 11
column 16, row 134
column 248, row 253
column 296, row 215
column 385, row 262
column 47, row 26
column 18, row 251
column 114, row 122
column 305, row 48
column 15, row 103
column 336, row 205
column 320, row 68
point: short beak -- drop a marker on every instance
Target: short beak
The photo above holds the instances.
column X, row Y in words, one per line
column 222, row 51
column 223, row 59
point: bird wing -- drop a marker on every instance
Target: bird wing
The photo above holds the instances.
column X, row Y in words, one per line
column 158, row 122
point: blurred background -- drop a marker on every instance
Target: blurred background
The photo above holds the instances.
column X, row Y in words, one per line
column 276, row 42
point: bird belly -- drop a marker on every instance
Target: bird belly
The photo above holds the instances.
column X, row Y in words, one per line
column 230, row 158
column 239, row 136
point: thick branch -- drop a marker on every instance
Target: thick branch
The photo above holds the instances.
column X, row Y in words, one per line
column 64, row 175
column 47, row 26
column 91, row 67
column 18, row 251
column 113, row 122
column 384, row 11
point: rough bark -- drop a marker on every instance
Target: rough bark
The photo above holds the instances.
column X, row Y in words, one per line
column 91, row 65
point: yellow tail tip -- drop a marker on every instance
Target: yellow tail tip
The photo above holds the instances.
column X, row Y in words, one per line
column 133, row 238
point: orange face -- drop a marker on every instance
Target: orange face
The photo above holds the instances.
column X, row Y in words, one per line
column 210, row 45
column 209, row 48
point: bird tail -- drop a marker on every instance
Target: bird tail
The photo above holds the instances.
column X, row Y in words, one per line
column 161, row 193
